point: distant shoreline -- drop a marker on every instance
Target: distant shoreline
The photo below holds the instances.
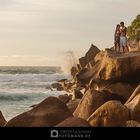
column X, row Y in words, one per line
column 30, row 69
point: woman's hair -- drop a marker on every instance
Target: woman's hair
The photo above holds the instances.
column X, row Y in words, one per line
column 117, row 26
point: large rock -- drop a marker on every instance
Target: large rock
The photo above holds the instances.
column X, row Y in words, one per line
column 89, row 56
column 110, row 114
column 48, row 113
column 119, row 66
column 91, row 101
column 64, row 98
column 123, row 89
column 99, row 56
column 2, row 120
column 82, row 62
column 73, row 122
column 113, row 67
column 86, row 74
column 135, row 93
column 132, row 123
column 134, row 107
column 72, row 104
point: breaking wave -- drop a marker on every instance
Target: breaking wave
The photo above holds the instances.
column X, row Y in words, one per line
column 21, row 87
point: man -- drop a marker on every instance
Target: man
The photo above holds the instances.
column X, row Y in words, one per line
column 123, row 38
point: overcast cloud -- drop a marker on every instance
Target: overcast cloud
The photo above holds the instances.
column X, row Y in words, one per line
column 49, row 28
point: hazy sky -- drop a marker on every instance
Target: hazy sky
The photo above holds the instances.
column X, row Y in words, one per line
column 40, row 32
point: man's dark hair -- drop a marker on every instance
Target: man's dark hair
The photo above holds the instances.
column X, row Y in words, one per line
column 122, row 23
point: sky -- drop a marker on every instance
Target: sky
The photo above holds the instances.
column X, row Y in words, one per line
column 45, row 32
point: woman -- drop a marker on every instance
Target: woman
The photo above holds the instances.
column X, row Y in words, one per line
column 117, row 37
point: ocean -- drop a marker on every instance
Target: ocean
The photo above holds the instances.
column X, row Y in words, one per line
column 22, row 87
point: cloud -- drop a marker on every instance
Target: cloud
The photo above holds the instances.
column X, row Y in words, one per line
column 7, row 2
column 48, row 27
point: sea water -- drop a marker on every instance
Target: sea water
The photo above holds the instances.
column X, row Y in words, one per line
column 22, row 87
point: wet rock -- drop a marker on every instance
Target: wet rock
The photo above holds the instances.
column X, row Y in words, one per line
column 57, row 86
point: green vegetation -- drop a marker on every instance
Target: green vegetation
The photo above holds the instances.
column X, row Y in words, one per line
column 134, row 29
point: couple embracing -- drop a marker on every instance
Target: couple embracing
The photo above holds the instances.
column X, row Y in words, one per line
column 120, row 37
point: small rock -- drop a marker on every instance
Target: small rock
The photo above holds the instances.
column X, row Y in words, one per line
column 32, row 106
column 58, row 86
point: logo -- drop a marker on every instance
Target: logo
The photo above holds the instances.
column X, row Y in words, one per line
column 70, row 133
column 54, row 133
